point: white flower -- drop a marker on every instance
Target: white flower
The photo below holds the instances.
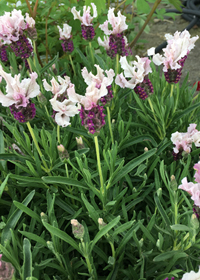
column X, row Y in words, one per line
column 92, row 95
column 30, row 22
column 118, row 23
column 57, row 88
column 11, row 26
column 177, row 48
column 18, row 93
column 66, row 32
column 86, row 19
column 99, row 78
column 104, row 43
column 64, row 110
column 191, row 275
column 135, row 70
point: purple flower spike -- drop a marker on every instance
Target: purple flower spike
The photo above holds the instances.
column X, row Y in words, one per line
column 144, row 89
column 23, row 114
column 22, row 48
column 67, row 45
column 92, row 119
column 88, row 32
column 3, row 53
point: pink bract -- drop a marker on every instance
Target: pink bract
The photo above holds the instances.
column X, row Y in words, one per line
column 118, row 23
column 86, row 19
column 18, row 93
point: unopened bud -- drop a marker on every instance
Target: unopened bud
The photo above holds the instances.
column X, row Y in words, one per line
column 101, row 223
column 146, row 149
column 6, row 270
column 42, row 99
column 141, row 241
column 63, row 153
column 173, row 183
column 53, row 66
column 44, row 217
column 77, row 229
column 79, row 142
column 194, row 221
column 51, row 246
column 159, row 192
column 20, row 67
column 113, row 120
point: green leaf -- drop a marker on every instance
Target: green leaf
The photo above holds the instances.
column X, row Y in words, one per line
column 64, row 180
column 62, row 235
column 164, row 256
column 10, row 257
column 27, row 210
column 143, row 7
column 162, row 211
column 46, row 67
column 34, row 237
column 147, row 233
column 2, row 150
column 136, row 140
column 92, row 212
column 103, row 231
column 84, row 59
column 180, row 227
column 101, row 5
column 3, row 185
column 177, row 4
column 133, row 164
column 27, row 265
column 14, row 218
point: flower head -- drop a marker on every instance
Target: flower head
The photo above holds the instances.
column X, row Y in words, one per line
column 118, row 23
column 65, row 33
column 92, row 95
column 11, row 26
column 86, row 19
column 18, row 93
column 175, row 54
column 183, row 140
column 99, row 78
column 63, row 111
column 57, row 88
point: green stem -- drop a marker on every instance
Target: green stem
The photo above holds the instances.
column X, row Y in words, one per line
column 72, row 64
column 92, row 56
column 113, row 249
column 116, row 72
column 99, row 164
column 152, row 109
column 29, row 64
column 172, row 89
column 109, row 123
column 37, row 146
column 58, row 133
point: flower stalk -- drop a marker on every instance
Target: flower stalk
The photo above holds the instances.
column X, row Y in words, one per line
column 109, row 124
column 37, row 147
column 99, row 165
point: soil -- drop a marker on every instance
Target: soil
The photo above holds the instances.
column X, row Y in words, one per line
column 156, row 37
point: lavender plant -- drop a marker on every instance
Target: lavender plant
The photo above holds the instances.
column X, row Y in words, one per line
column 90, row 186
